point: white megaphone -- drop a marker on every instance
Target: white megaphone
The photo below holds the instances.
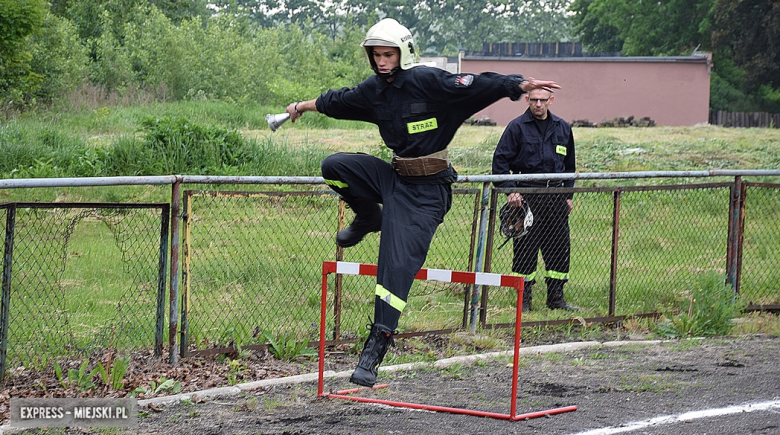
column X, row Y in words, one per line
column 274, row 121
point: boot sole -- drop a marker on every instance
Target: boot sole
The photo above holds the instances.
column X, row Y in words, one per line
column 359, row 381
column 349, row 245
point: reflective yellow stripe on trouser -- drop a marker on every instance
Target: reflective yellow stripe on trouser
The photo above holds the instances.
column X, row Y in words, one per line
column 336, row 183
column 526, row 278
column 389, row 298
column 556, row 275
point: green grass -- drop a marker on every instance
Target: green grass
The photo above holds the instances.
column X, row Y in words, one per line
column 256, row 259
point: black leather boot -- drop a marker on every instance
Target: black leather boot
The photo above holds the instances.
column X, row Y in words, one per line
column 555, row 299
column 368, row 219
column 527, row 296
column 379, row 340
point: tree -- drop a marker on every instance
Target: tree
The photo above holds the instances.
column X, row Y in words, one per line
column 88, row 15
column 644, row 28
column 57, row 57
column 18, row 20
column 597, row 35
column 438, row 26
column 750, row 30
column 449, row 25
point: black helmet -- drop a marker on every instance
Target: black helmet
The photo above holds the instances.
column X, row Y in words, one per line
column 515, row 221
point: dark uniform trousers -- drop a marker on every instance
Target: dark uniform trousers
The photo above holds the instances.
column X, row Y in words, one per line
column 550, row 235
column 410, row 215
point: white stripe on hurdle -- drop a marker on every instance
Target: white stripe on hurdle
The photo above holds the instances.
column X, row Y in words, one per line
column 487, row 279
column 439, row 275
column 345, row 268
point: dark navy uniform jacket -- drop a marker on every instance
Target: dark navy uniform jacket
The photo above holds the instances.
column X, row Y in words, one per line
column 523, row 150
column 419, row 112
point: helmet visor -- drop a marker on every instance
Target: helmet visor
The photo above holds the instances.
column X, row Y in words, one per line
column 378, row 43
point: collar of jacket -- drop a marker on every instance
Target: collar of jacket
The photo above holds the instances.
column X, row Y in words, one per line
column 397, row 82
column 529, row 117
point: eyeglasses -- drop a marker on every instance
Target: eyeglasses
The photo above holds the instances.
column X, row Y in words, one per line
column 538, row 100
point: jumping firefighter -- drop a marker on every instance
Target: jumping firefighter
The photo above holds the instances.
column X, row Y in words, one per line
column 417, row 109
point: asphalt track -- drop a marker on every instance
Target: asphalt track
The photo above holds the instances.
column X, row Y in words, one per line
column 736, row 391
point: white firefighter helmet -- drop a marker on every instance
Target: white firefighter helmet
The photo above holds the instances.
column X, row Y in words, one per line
column 390, row 33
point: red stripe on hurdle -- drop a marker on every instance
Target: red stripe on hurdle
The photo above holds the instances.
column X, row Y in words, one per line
column 464, row 277
column 368, row 269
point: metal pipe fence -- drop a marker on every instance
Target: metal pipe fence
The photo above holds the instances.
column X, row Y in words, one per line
column 244, row 262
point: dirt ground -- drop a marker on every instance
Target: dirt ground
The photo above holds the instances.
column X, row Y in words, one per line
column 609, row 386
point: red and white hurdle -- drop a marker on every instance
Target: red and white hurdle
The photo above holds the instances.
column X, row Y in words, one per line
column 478, row 278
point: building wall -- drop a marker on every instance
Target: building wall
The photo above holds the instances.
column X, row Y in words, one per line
column 673, row 91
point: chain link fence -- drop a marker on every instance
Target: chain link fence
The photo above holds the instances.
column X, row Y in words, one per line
column 759, row 260
column 252, row 263
column 634, row 250
column 79, row 278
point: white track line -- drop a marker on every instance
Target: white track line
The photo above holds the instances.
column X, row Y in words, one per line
column 693, row 415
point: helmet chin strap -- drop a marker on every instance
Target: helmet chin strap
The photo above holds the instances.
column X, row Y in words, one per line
column 385, row 76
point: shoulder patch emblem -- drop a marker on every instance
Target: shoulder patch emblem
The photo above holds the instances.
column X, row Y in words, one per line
column 464, row 80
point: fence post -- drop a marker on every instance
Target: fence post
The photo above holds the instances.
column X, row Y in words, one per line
column 488, row 267
column 160, row 316
column 185, row 250
column 615, row 236
column 339, row 285
column 734, row 234
column 5, row 310
column 475, row 296
column 173, row 313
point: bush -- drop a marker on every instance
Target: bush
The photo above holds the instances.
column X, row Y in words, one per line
column 711, row 309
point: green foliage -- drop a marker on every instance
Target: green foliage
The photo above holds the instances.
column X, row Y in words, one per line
column 662, row 28
column 113, row 373
column 444, row 28
column 746, row 75
column 77, row 378
column 236, row 368
column 159, row 386
column 179, row 147
column 177, row 50
column 598, row 35
column 44, row 151
column 712, row 307
column 111, row 66
column 58, row 58
column 751, row 31
column 168, row 145
column 18, row 20
column 286, row 347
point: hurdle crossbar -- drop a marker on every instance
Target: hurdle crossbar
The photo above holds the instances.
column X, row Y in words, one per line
column 476, row 278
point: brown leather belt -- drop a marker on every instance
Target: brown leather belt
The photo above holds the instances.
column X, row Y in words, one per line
column 421, row 166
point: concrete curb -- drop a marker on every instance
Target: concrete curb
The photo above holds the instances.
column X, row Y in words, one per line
column 223, row 392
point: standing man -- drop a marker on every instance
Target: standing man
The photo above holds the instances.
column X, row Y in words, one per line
column 538, row 142
column 418, row 109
